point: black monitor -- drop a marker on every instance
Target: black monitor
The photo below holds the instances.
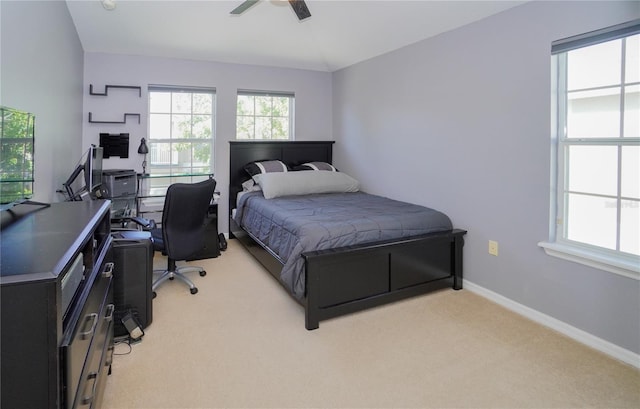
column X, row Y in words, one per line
column 91, row 166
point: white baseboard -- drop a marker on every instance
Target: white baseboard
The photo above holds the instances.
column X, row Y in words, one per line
column 579, row 335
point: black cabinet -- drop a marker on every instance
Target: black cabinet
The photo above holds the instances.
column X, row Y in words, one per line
column 56, row 311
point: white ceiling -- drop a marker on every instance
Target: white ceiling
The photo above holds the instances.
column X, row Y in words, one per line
column 338, row 33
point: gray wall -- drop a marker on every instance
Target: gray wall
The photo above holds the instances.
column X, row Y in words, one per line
column 461, row 123
column 41, row 72
column 312, row 105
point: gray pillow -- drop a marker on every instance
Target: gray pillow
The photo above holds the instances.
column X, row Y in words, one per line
column 316, row 166
column 265, row 166
column 305, row 182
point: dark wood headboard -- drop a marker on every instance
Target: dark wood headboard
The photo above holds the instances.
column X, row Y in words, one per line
column 292, row 153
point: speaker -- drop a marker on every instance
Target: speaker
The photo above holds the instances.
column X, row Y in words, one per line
column 132, row 278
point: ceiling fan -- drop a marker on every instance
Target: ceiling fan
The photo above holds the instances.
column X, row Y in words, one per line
column 298, row 6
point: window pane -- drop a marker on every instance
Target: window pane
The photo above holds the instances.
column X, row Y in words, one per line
column 181, row 102
column 263, row 128
column 202, row 126
column 160, row 126
column 594, row 66
column 281, row 106
column 201, row 153
column 244, row 126
column 245, row 105
column 280, row 128
column 630, row 227
column 160, row 102
column 159, row 154
column 632, row 59
column 632, row 111
column 202, row 103
column 594, row 114
column 181, row 155
column 181, row 126
column 263, row 106
column 593, row 169
column 592, row 220
column 631, row 172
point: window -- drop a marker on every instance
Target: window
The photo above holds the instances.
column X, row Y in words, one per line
column 595, row 207
column 264, row 115
column 16, row 155
column 181, row 124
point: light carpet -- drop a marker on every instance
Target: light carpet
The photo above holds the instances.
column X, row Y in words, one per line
column 241, row 343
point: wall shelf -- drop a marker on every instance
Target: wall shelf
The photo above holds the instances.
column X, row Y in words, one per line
column 124, row 119
column 106, row 89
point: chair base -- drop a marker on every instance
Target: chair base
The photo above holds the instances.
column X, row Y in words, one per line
column 178, row 272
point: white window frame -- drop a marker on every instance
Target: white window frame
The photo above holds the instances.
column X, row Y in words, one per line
column 277, row 94
column 559, row 245
column 154, row 140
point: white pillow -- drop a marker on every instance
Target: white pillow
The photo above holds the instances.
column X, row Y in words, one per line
column 305, row 182
column 250, row 186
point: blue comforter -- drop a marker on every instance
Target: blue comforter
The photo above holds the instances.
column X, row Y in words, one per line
column 292, row 225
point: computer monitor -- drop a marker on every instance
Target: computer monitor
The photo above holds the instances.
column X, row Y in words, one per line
column 91, row 165
column 93, row 169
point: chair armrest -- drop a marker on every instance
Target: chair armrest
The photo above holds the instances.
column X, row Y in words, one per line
column 145, row 223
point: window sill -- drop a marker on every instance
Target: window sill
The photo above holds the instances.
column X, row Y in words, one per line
column 625, row 268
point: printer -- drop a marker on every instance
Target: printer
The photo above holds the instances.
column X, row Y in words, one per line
column 119, row 182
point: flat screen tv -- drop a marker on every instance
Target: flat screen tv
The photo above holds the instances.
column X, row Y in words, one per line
column 17, row 131
column 90, row 166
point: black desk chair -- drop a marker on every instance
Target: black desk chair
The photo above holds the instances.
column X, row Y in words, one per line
column 182, row 232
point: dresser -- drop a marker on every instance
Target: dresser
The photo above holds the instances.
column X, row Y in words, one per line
column 56, row 305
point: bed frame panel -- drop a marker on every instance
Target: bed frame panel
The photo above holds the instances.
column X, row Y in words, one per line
column 349, row 279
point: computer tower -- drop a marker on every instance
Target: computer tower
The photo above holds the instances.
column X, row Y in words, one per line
column 132, row 278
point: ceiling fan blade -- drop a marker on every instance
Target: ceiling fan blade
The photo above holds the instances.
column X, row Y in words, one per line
column 244, row 6
column 300, row 8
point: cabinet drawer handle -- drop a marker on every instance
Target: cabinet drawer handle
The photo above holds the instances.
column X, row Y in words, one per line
column 93, row 376
column 110, row 309
column 108, row 270
column 93, row 317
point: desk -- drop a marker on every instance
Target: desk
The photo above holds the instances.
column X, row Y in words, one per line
column 152, row 188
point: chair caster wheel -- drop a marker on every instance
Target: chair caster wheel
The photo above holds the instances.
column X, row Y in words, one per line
column 171, row 278
column 154, row 294
column 194, row 290
column 203, row 273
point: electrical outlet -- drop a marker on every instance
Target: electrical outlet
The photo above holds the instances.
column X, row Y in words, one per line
column 493, row 248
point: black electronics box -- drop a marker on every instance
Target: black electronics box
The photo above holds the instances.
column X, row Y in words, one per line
column 132, row 278
column 119, row 182
column 114, row 145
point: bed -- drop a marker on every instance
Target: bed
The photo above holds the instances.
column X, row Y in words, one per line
column 337, row 278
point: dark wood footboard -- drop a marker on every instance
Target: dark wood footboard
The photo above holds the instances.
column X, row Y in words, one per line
column 349, row 279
